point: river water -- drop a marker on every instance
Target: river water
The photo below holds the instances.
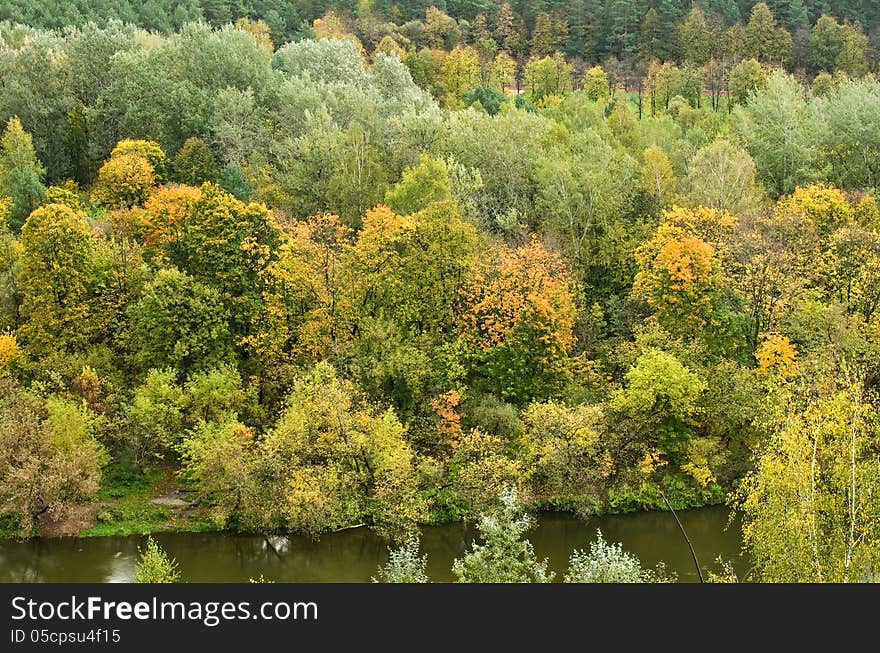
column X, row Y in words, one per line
column 354, row 555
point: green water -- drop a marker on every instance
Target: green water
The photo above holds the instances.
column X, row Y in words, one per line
column 354, row 555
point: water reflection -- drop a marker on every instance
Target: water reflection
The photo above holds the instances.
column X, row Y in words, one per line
column 354, row 555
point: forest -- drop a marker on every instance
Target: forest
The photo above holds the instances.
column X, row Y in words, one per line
column 330, row 265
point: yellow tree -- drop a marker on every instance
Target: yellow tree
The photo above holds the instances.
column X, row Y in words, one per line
column 824, row 204
column 520, row 318
column 680, row 273
column 296, row 324
column 55, row 272
column 409, row 269
column 459, row 72
column 810, row 507
column 124, row 181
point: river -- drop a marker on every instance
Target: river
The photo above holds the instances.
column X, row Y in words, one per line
column 354, row 555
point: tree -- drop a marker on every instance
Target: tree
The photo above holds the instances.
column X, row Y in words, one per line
column 747, row 78
column 548, row 76
column 155, row 415
column 650, row 37
column 11, row 252
column 852, row 56
column 824, row 205
column 505, row 556
column 150, row 150
column 544, row 39
column 55, row 278
column 52, row 461
column 826, row 43
column 459, row 72
column 680, row 276
column 519, row 317
column 661, row 395
column 224, row 244
column 179, row 323
column 480, row 468
column 410, row 269
column 503, row 71
column 608, row 563
column 334, row 460
column 808, row 507
column 154, row 565
column 404, row 565
column 194, row 163
column 568, row 453
column 596, row 83
column 509, row 32
column 419, row 186
column 695, row 39
column 125, row 180
column 765, row 41
column 21, row 174
column 851, row 140
column 259, row 30
column 658, row 178
column 722, row 176
column 782, row 134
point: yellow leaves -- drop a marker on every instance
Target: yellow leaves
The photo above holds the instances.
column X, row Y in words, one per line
column 686, row 260
column 445, row 406
column 706, row 223
column 524, row 285
column 124, row 181
column 9, row 351
column 680, row 267
column 777, row 353
column 150, row 150
column 824, row 204
column 167, row 209
column 650, row 462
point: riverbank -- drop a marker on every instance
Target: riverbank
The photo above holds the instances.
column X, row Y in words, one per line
column 151, row 500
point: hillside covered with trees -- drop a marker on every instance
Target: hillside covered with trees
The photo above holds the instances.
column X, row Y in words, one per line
column 330, row 266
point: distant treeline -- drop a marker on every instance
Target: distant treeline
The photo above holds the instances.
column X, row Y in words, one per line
column 587, row 29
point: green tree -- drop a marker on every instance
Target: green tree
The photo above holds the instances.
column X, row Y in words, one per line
column 746, row 79
column 548, row 76
column 765, row 41
column 722, row 176
column 419, row 186
column 661, row 395
column 505, row 555
column 155, row 566
column 56, row 261
column 544, row 39
column 335, row 460
column 179, row 323
column 695, row 39
column 21, row 173
column 782, row 134
column 404, row 565
column 194, row 163
column 826, row 43
column 852, row 58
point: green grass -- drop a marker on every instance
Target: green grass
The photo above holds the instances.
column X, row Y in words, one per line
column 126, row 492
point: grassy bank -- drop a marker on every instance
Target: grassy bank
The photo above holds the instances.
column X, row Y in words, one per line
column 126, row 504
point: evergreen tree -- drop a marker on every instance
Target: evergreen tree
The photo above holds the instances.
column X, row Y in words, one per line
column 21, row 173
